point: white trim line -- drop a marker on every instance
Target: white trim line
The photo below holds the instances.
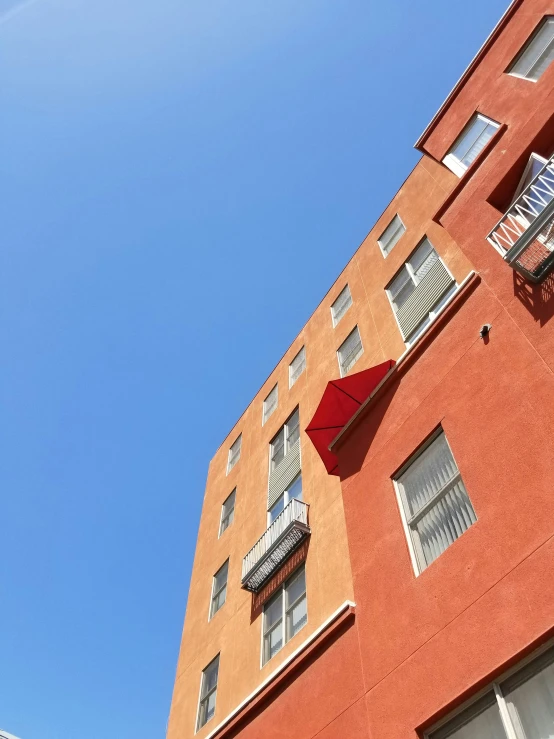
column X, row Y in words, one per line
column 333, row 617
column 401, row 358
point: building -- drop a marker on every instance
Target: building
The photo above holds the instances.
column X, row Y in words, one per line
column 375, row 556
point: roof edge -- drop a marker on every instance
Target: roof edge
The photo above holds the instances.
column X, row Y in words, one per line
column 491, row 38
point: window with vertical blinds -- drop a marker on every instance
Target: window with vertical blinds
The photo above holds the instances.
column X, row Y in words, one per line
column 270, row 404
column 341, row 305
column 297, row 366
column 538, row 52
column 227, row 512
column 234, row 454
column 208, row 693
column 391, row 235
column 350, row 351
column 285, row 614
column 520, row 706
column 435, row 502
column 470, row 143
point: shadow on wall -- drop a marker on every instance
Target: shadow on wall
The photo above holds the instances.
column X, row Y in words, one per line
column 538, row 298
column 249, row 718
column 294, row 561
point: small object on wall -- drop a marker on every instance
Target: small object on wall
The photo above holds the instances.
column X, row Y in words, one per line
column 484, row 330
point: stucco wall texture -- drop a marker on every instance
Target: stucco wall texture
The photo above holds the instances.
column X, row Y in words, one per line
column 414, row 646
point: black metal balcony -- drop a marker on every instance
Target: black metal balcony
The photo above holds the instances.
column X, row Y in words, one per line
column 275, row 546
column 524, row 235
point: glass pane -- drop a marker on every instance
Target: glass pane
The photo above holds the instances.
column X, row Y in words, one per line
column 229, row 504
column 485, row 136
column 221, row 577
column 297, row 366
column 297, row 618
column 295, row 489
column 451, row 515
column 273, row 641
column 423, row 259
column 401, row 288
column 295, row 587
column 273, row 611
column 210, row 706
column 391, row 234
column 278, row 448
column 341, row 305
column 468, row 138
column 531, row 706
column 293, row 428
column 210, row 677
column 276, row 508
column 429, row 472
column 537, row 54
column 486, row 725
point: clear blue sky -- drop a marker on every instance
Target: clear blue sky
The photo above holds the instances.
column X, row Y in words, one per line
column 181, row 182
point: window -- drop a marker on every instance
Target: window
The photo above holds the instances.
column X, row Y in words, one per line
column 234, row 454
column 270, row 403
column 391, row 235
column 470, row 143
column 285, row 614
column 293, row 491
column 297, row 366
column 404, row 285
column 350, row 351
column 341, row 305
column 520, row 706
column 219, row 589
column 435, row 504
column 287, row 436
column 227, row 512
column 208, row 693
column 537, row 53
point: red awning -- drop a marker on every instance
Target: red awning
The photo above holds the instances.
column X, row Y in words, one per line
column 340, row 401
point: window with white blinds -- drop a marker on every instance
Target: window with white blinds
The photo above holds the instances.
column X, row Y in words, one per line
column 297, row 366
column 391, row 235
column 270, row 404
column 470, row 143
column 208, row 693
column 341, row 305
column 419, row 290
column 227, row 512
column 219, row 589
column 435, row 503
column 285, row 614
column 234, row 454
column 287, row 436
column 519, row 706
column 537, row 53
column 350, row 351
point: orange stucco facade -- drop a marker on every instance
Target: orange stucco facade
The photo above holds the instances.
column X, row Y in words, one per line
column 386, row 652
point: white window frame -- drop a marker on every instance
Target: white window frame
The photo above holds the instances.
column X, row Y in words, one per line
column 286, row 498
column 215, row 594
column 287, row 429
column 204, row 698
column 385, row 248
column 284, row 613
column 547, row 20
column 416, row 555
column 233, row 457
column 455, row 164
column 231, row 513
column 302, row 364
column 342, row 371
column 270, row 404
column 336, row 317
column 495, row 691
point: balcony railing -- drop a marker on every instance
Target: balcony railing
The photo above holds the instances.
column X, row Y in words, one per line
column 524, row 235
column 283, row 536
